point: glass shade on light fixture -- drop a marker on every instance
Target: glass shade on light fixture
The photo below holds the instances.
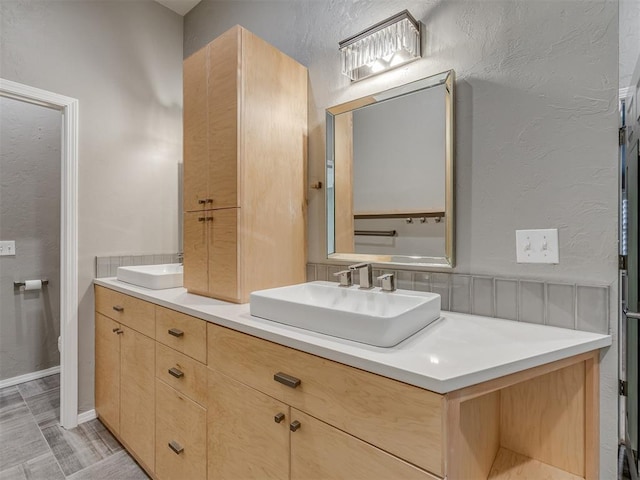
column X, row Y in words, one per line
column 386, row 45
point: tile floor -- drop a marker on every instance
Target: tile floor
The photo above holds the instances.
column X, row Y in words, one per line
column 34, row 447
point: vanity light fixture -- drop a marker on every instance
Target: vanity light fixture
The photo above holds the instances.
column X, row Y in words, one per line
column 383, row 46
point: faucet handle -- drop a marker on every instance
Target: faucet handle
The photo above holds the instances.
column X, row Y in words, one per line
column 344, row 278
column 387, row 282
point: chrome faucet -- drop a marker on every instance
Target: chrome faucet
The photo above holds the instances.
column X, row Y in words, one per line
column 344, row 278
column 388, row 282
column 365, row 272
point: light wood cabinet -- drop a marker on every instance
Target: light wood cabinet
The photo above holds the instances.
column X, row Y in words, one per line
column 245, row 128
column 125, row 362
column 361, row 425
column 137, row 394
column 107, row 389
column 254, row 436
column 181, row 436
column 249, row 432
column 233, row 417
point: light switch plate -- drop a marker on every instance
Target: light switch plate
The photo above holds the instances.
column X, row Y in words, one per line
column 537, row 246
column 7, row 247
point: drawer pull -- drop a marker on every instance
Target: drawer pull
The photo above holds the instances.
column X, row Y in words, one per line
column 295, row 425
column 118, row 308
column 119, row 331
column 201, row 219
column 287, row 380
column 175, row 332
column 279, row 417
column 202, row 201
column 176, row 447
column 175, row 372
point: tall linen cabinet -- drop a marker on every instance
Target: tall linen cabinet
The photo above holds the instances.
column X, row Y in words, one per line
column 245, row 142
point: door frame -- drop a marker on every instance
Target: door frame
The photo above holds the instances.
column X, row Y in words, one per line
column 68, row 239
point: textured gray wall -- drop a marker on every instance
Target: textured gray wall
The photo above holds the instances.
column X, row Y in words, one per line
column 30, row 215
column 536, row 124
column 629, row 40
column 123, row 62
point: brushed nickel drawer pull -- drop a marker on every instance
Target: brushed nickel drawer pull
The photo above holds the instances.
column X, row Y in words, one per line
column 118, row 308
column 295, row 425
column 175, row 332
column 279, row 417
column 119, row 331
column 176, row 447
column 287, row 380
column 175, row 372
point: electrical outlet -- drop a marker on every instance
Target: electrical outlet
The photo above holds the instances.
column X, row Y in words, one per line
column 537, row 246
column 7, row 247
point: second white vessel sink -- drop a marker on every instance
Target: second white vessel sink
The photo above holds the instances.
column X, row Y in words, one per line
column 156, row 277
column 374, row 317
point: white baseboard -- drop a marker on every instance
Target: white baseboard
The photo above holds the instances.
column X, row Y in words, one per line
column 27, row 377
column 87, row 416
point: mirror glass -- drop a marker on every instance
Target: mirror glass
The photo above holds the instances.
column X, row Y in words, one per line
column 389, row 175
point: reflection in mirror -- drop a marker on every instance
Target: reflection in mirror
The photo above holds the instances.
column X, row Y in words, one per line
column 390, row 175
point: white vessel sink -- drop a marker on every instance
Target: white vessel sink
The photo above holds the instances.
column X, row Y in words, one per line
column 155, row 277
column 374, row 317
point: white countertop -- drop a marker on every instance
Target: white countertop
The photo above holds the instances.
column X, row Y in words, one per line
column 454, row 352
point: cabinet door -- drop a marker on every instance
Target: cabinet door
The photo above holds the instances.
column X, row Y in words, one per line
column 248, row 432
column 107, row 375
column 222, row 101
column 196, row 252
column 137, row 394
column 223, row 257
column 320, row 451
column 195, row 128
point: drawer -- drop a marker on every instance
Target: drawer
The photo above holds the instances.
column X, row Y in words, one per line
column 132, row 312
column 182, row 373
column 398, row 418
column 181, row 424
column 182, row 332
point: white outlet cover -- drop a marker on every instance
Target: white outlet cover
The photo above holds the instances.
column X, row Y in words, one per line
column 7, row 247
column 537, row 246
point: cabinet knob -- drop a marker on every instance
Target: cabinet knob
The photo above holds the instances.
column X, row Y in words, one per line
column 118, row 308
column 119, row 331
column 175, row 372
column 176, row 447
column 279, row 417
column 209, row 200
column 287, row 380
column 202, row 201
column 201, row 219
column 295, row 425
column 209, row 219
column 175, row 332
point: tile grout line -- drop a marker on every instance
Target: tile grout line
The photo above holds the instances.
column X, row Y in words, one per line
column 41, row 432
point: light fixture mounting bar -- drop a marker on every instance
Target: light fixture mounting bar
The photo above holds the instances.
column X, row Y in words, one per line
column 379, row 26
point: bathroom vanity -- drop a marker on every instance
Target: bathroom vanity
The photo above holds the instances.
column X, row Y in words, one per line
column 220, row 394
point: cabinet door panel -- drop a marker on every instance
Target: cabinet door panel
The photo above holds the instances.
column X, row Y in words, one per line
column 196, row 148
column 108, row 371
column 321, row 451
column 137, row 394
column 223, row 270
column 196, row 252
column 223, row 119
column 244, row 439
